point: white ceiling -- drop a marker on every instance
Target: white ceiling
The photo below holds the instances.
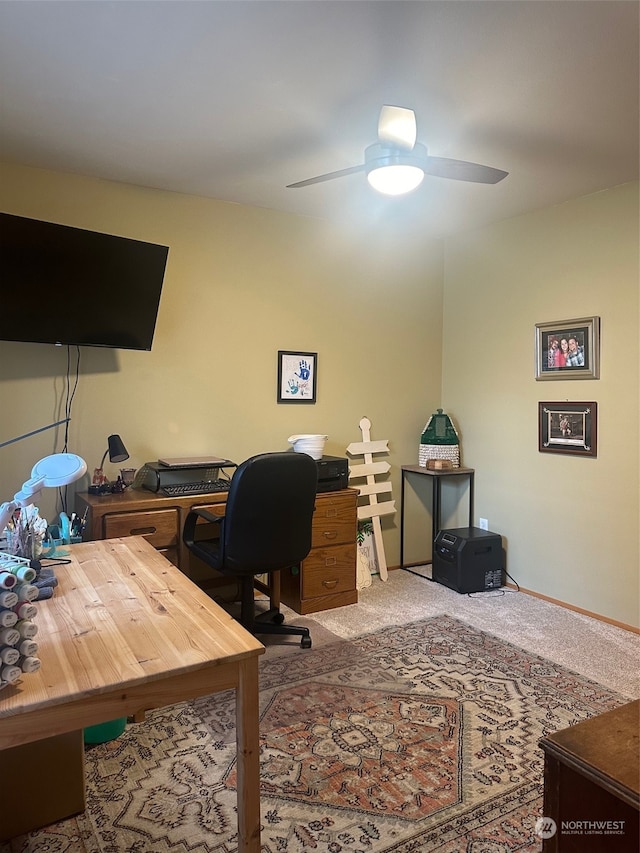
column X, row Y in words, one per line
column 235, row 100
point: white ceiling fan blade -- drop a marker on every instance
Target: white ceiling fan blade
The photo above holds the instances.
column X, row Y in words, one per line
column 461, row 170
column 397, row 126
column 341, row 173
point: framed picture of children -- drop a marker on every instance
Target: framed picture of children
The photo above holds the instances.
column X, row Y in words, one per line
column 568, row 428
column 568, row 349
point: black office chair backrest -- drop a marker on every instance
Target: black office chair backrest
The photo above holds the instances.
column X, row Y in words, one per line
column 267, row 524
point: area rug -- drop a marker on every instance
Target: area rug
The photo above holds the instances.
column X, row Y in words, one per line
column 415, row 738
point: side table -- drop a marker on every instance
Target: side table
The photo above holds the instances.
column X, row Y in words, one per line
column 436, row 496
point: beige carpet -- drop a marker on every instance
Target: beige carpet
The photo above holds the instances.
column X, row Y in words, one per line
column 595, row 649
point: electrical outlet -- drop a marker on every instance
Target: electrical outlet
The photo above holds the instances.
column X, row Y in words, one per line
column 484, row 524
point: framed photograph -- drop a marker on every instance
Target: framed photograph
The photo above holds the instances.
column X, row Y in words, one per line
column 568, row 349
column 568, row 428
column 297, row 376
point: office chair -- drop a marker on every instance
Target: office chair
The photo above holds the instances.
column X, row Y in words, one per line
column 266, row 527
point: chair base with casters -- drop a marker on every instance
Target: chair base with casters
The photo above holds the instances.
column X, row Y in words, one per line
column 270, row 621
column 266, row 527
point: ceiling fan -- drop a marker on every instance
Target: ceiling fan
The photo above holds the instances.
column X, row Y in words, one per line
column 396, row 163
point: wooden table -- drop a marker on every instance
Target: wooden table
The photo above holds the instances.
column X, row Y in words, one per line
column 592, row 783
column 125, row 632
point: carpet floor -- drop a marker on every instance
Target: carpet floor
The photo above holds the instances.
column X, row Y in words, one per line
column 418, row 737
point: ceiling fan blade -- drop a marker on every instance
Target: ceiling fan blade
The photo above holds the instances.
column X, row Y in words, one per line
column 397, row 126
column 460, row 170
column 328, row 177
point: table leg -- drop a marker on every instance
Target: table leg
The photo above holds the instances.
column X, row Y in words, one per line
column 435, row 511
column 402, row 520
column 248, row 756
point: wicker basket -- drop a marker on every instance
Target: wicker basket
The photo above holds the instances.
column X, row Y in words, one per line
column 439, row 440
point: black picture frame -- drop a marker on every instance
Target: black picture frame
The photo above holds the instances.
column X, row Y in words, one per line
column 558, row 358
column 570, row 428
column 297, row 376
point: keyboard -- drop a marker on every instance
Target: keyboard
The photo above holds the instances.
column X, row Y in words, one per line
column 200, row 487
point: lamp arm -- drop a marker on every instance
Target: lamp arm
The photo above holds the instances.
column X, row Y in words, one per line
column 6, row 512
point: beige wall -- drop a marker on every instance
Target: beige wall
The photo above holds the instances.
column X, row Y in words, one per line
column 241, row 283
column 571, row 524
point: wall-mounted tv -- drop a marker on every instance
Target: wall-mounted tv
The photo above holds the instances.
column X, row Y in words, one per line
column 64, row 285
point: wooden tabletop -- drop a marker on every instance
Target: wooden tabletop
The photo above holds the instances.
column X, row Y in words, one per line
column 125, row 631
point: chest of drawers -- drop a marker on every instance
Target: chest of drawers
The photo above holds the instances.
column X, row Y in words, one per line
column 327, row 577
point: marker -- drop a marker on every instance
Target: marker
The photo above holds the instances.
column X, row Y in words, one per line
column 7, row 618
column 8, row 599
column 7, row 580
column 10, row 674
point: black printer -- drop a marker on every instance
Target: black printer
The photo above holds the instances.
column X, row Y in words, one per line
column 333, row 473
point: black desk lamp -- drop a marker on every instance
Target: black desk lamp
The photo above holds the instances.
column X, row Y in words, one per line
column 117, row 452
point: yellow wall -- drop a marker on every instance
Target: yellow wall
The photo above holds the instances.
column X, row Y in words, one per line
column 241, row 283
column 571, row 524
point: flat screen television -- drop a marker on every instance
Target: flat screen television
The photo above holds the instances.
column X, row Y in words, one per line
column 64, row 285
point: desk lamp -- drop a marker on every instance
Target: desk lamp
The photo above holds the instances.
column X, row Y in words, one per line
column 116, row 451
column 53, row 471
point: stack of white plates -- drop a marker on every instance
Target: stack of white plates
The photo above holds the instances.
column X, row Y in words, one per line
column 312, row 445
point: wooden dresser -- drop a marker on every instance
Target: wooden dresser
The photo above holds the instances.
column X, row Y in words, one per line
column 327, row 578
column 592, row 784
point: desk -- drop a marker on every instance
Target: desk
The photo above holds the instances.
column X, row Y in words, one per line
column 125, row 632
column 436, row 482
column 326, row 578
column 592, row 774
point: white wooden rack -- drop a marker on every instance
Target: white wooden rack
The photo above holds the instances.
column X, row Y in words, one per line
column 372, row 488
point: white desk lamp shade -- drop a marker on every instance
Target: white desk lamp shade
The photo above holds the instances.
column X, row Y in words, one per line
column 59, row 469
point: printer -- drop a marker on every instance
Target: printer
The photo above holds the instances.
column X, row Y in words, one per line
column 333, row 473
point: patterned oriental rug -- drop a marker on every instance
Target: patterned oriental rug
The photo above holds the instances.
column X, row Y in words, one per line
column 417, row 738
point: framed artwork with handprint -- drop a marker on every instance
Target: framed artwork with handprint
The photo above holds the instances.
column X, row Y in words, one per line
column 297, row 376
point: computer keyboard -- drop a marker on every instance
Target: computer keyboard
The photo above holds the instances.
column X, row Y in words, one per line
column 200, row 487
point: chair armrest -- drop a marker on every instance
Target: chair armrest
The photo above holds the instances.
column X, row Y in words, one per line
column 188, row 531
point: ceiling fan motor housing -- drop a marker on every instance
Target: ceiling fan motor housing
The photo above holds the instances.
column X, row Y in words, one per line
column 379, row 155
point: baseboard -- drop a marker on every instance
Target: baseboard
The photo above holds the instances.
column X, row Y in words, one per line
column 548, row 598
column 575, row 609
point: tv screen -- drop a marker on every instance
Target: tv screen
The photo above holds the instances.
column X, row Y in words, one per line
column 64, row 285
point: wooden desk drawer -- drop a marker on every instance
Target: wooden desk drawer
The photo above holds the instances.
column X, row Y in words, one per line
column 334, row 521
column 159, row 526
column 329, row 570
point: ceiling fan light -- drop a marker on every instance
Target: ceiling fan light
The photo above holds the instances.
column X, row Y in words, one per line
column 395, row 179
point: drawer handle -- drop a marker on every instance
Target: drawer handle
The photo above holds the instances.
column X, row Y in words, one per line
column 144, row 531
column 331, row 512
column 330, row 561
column 330, row 534
column 330, row 584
